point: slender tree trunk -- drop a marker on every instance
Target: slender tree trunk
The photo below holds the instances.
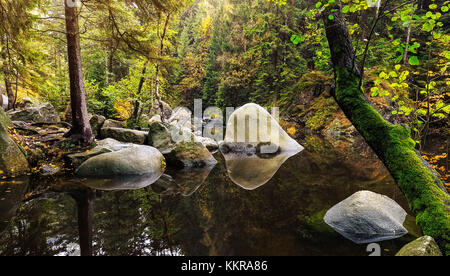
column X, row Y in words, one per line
column 161, row 52
column 392, row 143
column 16, row 92
column 81, row 131
column 408, row 38
column 109, row 66
column 141, row 84
column 1, row 97
column 158, row 96
column 9, row 93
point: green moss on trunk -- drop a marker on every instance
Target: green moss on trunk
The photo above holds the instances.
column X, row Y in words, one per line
column 394, row 146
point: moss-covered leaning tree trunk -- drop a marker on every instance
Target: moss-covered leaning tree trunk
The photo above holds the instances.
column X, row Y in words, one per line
column 392, row 143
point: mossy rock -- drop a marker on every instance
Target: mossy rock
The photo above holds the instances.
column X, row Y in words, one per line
column 12, row 160
column 190, row 155
column 322, row 111
column 5, row 122
column 423, row 246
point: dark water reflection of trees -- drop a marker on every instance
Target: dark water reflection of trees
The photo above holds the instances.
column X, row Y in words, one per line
column 200, row 214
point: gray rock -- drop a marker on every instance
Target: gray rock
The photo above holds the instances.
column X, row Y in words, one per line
column 190, row 155
column 103, row 146
column 124, row 135
column 367, row 217
column 12, row 160
column 27, row 102
column 209, row 143
column 164, row 136
column 5, row 122
column 112, row 145
column 97, row 122
column 44, row 113
column 156, row 110
column 423, row 246
column 135, row 160
column 47, row 170
column 113, row 123
column 75, row 160
column 180, row 146
column 155, row 119
column 181, row 117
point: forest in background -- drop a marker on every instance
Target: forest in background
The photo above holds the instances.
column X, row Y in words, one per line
column 307, row 57
column 228, row 53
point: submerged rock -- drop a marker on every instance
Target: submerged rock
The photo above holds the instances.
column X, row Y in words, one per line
column 165, row 185
column 131, row 161
column 12, row 194
column 44, row 113
column 367, row 217
column 185, row 182
column 423, row 246
column 12, row 160
column 124, row 135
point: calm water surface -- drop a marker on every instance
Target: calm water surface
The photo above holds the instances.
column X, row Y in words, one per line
column 201, row 212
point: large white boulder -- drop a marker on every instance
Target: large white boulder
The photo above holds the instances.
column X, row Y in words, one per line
column 255, row 146
column 252, row 124
column 367, row 217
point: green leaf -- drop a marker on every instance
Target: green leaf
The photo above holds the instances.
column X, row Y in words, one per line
column 345, row 9
column 318, row 5
column 414, row 60
column 295, row 39
column 433, row 6
column 331, row 17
